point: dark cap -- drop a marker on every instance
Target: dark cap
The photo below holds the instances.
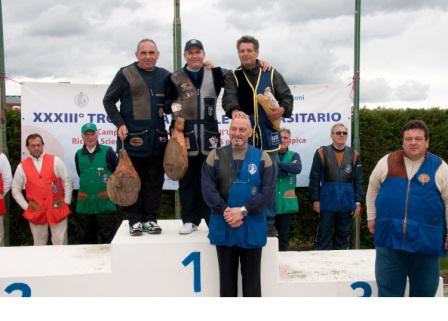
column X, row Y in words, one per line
column 193, row 42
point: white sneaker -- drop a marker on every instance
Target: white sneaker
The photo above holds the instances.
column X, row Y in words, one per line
column 188, row 228
column 136, row 229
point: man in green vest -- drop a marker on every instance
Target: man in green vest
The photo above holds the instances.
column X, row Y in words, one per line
column 289, row 166
column 95, row 163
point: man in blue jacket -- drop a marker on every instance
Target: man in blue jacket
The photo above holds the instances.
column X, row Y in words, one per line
column 407, row 202
column 336, row 189
column 237, row 184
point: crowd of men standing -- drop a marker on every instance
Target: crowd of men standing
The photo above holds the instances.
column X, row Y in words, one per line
column 242, row 190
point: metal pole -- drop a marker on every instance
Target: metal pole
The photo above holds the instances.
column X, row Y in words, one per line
column 356, row 143
column 177, row 37
column 3, row 141
column 177, row 64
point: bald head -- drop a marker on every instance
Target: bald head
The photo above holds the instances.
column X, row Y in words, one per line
column 241, row 119
column 240, row 130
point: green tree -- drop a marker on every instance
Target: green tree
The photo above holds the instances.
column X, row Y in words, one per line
column 380, row 133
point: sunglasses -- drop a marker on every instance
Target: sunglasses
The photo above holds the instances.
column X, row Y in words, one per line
column 341, row 133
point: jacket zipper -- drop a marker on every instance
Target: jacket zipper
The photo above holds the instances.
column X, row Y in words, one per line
column 405, row 219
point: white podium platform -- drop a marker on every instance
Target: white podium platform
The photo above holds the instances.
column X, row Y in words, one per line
column 170, row 264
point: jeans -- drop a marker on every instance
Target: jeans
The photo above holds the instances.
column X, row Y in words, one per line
column 333, row 231
column 392, row 267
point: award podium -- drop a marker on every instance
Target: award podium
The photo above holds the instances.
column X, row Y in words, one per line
column 173, row 265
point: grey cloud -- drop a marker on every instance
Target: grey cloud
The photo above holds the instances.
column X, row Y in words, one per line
column 42, row 62
column 375, row 90
column 307, row 41
column 300, row 10
column 107, row 6
column 17, row 11
column 24, row 10
column 372, row 7
column 58, row 21
column 83, row 56
column 327, row 22
column 380, row 90
column 76, row 41
column 313, row 64
column 246, row 14
column 411, row 90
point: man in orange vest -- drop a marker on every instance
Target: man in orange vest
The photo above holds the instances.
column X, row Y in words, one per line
column 48, row 190
column 5, row 186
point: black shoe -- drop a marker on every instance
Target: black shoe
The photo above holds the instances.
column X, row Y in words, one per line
column 151, row 227
column 136, row 229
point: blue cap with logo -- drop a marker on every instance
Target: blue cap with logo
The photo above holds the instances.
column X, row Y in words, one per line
column 193, row 42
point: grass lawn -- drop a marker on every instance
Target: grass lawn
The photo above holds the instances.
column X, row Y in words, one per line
column 444, row 264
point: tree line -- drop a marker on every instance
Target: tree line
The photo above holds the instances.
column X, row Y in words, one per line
column 380, row 133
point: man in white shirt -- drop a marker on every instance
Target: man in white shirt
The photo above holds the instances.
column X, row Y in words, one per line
column 407, row 210
column 5, row 186
column 48, row 190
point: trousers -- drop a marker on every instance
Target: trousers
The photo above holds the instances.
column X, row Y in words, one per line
column 228, row 260
column 190, row 193
column 97, row 228
column 151, row 173
column 59, row 234
column 283, row 226
column 393, row 267
column 333, row 231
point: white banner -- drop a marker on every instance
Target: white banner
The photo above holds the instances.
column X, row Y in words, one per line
column 57, row 112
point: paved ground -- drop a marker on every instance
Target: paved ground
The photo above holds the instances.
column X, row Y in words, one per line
column 445, row 283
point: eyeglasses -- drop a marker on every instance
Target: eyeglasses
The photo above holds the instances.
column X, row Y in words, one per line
column 416, row 139
column 340, row 133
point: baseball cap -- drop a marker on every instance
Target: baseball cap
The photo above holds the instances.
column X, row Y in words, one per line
column 87, row 127
column 193, row 42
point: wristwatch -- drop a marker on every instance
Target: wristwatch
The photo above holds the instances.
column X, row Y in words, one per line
column 243, row 211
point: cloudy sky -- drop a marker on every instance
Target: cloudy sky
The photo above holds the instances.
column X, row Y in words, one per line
column 403, row 42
